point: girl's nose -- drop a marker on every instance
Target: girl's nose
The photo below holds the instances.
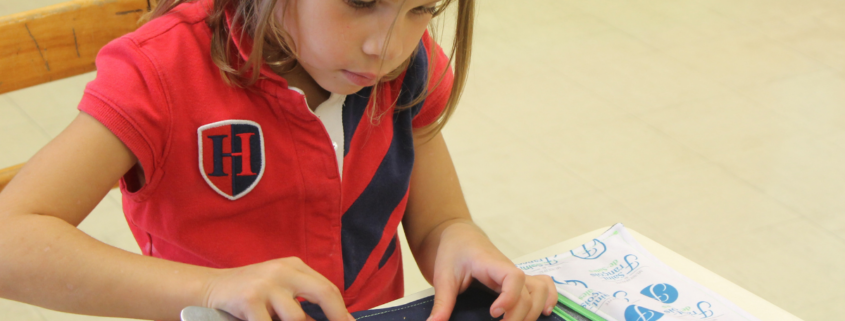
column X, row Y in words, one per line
column 386, row 42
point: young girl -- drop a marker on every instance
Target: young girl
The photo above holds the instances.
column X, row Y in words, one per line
column 267, row 151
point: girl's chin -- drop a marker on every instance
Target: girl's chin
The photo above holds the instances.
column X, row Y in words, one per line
column 343, row 88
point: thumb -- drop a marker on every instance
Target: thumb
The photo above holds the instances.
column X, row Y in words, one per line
column 446, row 289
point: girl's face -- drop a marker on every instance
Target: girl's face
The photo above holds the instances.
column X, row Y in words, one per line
column 343, row 44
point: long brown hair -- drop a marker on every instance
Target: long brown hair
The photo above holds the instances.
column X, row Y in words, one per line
column 257, row 21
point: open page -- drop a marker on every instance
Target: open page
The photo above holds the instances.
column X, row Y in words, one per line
column 616, row 278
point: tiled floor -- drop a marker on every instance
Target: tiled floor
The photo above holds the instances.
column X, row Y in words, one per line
column 716, row 128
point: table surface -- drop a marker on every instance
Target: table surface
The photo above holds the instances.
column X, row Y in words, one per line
column 746, row 300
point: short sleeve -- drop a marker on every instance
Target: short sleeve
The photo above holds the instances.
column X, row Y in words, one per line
column 439, row 93
column 128, row 98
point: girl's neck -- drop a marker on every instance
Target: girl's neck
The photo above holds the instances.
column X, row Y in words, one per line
column 314, row 94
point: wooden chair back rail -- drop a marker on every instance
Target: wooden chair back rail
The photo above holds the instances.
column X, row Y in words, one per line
column 60, row 41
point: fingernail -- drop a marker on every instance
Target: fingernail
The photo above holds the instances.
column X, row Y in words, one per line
column 549, row 311
column 498, row 312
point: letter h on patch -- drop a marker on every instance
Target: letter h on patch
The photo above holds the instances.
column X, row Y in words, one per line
column 231, row 156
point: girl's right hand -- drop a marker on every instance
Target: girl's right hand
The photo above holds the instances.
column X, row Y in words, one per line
column 260, row 291
column 47, row 261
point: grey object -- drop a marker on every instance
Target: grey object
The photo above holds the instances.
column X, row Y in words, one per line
column 205, row 314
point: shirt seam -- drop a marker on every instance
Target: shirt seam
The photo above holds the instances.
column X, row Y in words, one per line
column 167, row 105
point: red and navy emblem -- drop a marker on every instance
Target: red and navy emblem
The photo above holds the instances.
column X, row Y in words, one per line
column 231, row 156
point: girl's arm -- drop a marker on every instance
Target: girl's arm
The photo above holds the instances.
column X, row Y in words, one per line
column 451, row 250
column 48, row 262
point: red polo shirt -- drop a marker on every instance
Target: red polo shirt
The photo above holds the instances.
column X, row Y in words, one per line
column 237, row 176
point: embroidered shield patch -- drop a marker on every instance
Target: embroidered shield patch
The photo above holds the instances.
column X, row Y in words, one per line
column 231, row 156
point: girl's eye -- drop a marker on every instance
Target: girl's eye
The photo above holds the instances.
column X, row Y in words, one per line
column 430, row 10
column 361, row 4
column 364, row 4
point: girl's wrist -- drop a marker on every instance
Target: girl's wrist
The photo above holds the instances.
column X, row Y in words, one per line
column 462, row 229
column 208, row 280
column 188, row 286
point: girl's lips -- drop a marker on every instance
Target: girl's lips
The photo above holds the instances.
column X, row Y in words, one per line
column 360, row 79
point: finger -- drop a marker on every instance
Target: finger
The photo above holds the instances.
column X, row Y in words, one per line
column 446, row 289
column 323, row 293
column 512, row 284
column 551, row 300
column 521, row 308
column 300, row 266
column 257, row 312
column 538, row 302
column 543, row 284
column 287, row 308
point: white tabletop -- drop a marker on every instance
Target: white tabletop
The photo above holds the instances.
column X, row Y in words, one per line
column 749, row 302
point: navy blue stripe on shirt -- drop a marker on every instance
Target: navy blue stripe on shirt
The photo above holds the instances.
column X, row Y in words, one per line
column 388, row 252
column 356, row 104
column 353, row 110
column 415, row 79
column 363, row 224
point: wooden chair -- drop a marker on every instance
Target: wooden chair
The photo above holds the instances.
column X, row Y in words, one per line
column 60, row 41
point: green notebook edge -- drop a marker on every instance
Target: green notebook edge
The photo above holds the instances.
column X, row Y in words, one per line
column 566, row 302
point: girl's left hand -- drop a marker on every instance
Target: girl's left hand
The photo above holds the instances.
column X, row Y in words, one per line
column 464, row 254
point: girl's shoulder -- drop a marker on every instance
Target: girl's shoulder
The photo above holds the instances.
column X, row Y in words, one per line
column 168, row 42
column 168, row 53
column 185, row 19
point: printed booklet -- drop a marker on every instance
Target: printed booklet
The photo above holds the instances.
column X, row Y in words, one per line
column 614, row 278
